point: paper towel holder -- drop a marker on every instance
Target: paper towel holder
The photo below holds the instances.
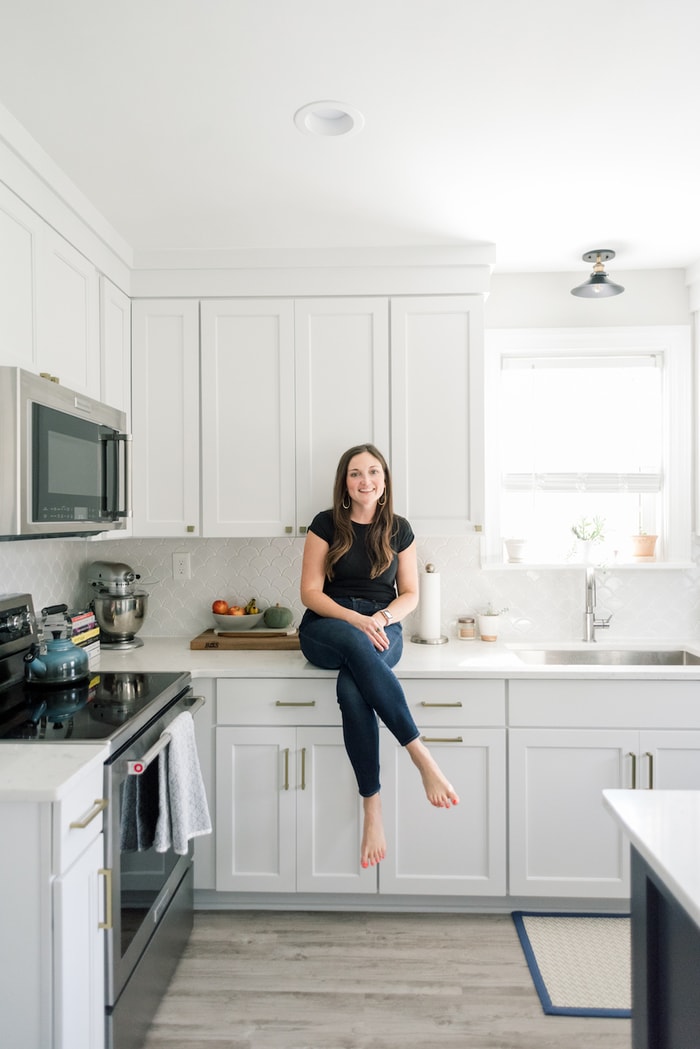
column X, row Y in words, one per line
column 416, row 638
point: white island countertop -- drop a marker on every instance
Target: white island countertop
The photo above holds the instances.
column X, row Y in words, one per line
column 664, row 827
column 455, row 659
column 38, row 772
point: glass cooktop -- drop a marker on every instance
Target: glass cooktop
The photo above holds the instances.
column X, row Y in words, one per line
column 98, row 708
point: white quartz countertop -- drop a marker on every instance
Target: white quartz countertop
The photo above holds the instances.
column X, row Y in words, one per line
column 664, row 827
column 39, row 772
column 455, row 659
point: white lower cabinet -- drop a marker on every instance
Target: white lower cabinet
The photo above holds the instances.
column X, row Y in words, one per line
column 562, row 841
column 456, row 851
column 461, row 850
column 79, row 952
column 530, row 822
column 52, row 988
column 288, row 815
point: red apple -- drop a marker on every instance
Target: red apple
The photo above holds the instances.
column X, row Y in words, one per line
column 220, row 607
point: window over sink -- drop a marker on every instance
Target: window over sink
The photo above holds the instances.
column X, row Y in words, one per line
column 588, row 429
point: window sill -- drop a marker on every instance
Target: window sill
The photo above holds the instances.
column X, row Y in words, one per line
column 569, row 566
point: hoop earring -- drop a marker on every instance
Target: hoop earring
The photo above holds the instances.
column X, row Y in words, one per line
column 382, row 501
column 349, row 502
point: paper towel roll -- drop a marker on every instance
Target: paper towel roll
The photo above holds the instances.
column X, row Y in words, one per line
column 429, row 604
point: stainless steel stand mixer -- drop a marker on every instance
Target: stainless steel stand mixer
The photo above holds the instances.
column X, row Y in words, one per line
column 120, row 608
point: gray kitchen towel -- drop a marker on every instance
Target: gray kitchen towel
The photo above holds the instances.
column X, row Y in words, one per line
column 139, row 810
column 184, row 812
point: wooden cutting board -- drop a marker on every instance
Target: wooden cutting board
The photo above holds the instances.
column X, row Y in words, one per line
column 251, row 640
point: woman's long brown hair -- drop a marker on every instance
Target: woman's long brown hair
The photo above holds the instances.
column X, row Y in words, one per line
column 379, row 532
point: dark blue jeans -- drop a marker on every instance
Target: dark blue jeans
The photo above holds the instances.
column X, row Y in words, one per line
column 367, row 686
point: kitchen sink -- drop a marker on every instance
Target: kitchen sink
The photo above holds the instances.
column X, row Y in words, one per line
column 617, row 657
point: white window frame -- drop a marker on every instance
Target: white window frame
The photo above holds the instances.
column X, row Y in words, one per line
column 671, row 341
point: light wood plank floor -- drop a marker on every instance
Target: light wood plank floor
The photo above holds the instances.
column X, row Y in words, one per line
column 297, row 980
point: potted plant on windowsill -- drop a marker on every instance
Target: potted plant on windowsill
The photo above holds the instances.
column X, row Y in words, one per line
column 643, row 544
column 587, row 531
column 489, row 621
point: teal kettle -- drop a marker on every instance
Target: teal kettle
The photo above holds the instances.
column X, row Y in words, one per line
column 56, row 661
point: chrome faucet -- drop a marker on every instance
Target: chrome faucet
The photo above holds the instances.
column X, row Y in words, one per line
column 590, row 623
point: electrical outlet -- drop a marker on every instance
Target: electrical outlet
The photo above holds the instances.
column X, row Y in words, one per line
column 181, row 566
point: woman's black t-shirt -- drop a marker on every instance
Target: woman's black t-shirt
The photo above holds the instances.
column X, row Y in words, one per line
column 351, row 573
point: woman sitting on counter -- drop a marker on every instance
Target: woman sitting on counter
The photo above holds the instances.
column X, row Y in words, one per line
column 359, row 578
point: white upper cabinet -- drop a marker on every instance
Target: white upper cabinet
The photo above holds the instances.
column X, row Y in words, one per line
column 165, row 424
column 342, row 390
column 286, row 388
column 19, row 234
column 248, row 417
column 68, row 318
column 115, row 347
column 437, row 412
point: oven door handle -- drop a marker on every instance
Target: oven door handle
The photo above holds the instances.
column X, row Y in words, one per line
column 137, row 768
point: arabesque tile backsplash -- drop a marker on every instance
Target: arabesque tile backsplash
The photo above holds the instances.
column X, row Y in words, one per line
column 647, row 602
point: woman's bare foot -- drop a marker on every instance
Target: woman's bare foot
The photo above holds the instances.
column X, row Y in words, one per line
column 373, row 840
column 438, row 789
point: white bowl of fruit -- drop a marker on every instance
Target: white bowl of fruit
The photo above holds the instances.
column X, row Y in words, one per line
column 231, row 617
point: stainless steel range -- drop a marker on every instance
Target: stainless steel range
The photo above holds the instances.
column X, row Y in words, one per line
column 151, row 894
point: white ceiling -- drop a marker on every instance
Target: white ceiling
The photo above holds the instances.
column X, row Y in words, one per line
column 547, row 127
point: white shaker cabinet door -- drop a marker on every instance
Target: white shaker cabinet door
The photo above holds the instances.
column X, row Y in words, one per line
column 19, row 233
column 669, row 760
column 342, row 390
column 248, row 417
column 255, row 809
column 562, row 840
column 455, row 851
column 165, row 417
column 115, row 347
column 79, row 953
column 437, row 417
column 68, row 315
column 329, row 816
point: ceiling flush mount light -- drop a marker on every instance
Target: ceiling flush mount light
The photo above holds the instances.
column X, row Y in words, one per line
column 329, row 119
column 598, row 285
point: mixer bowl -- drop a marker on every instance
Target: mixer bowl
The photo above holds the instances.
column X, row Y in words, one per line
column 120, row 617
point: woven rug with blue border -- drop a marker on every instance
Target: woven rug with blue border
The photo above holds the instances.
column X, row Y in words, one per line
column 580, row 963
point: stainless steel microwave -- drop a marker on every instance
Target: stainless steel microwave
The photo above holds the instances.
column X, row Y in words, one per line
column 65, row 460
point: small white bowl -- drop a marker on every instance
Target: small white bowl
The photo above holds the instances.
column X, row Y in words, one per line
column 231, row 623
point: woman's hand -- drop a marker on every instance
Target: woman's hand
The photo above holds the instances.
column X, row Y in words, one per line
column 374, row 630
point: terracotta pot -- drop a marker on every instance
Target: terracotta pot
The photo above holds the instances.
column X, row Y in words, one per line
column 643, row 547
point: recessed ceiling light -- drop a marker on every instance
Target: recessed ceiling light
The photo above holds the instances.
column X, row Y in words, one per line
column 329, row 119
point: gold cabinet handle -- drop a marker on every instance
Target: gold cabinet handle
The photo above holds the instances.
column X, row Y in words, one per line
column 99, row 805
column 107, row 875
column 304, row 703
column 650, row 756
column 442, row 739
column 424, row 703
column 286, row 769
column 634, row 769
column 303, row 768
